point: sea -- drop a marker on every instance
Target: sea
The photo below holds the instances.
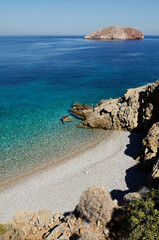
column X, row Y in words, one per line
column 42, row 76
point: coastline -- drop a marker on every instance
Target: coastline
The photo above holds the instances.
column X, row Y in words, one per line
column 55, row 162
column 58, row 188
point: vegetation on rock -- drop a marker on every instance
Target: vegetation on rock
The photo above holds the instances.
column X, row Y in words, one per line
column 2, row 229
column 143, row 217
column 137, row 221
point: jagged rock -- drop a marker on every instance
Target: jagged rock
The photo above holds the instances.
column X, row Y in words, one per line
column 155, row 171
column 35, row 225
column 81, row 111
column 29, row 225
column 115, row 33
column 150, row 150
column 138, row 109
column 65, row 119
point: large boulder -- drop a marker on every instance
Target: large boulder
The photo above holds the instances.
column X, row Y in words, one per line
column 116, row 33
column 138, row 109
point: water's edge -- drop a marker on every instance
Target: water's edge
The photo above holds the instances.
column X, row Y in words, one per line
column 16, row 179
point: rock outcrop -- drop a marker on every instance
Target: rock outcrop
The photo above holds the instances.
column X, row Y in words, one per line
column 150, row 150
column 65, row 119
column 81, row 111
column 115, row 33
column 28, row 225
column 137, row 110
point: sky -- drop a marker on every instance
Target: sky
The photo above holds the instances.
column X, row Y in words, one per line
column 76, row 17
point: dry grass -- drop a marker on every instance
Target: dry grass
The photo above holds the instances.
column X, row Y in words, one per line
column 96, row 205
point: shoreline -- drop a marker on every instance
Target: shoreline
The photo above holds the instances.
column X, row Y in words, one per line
column 58, row 188
column 55, row 162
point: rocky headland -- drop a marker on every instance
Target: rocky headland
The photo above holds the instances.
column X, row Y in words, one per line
column 137, row 110
column 116, row 33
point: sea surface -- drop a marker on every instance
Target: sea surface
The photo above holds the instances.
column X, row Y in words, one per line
column 40, row 78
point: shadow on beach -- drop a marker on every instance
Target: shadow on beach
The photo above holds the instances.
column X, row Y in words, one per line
column 133, row 148
column 134, row 179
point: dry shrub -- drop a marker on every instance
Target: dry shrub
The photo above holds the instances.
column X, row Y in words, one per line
column 96, row 205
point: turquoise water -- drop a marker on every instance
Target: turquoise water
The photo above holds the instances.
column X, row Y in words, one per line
column 40, row 78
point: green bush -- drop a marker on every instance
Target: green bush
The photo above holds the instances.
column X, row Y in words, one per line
column 143, row 218
column 2, row 229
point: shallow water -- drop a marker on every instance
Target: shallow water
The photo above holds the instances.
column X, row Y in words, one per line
column 40, row 78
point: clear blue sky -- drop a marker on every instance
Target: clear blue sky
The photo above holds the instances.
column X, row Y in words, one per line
column 60, row 17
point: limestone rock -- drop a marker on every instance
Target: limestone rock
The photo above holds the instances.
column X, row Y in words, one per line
column 35, row 225
column 81, row 111
column 65, row 119
column 116, row 33
column 29, row 225
column 138, row 109
column 150, row 150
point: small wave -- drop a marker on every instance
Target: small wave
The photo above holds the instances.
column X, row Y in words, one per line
column 134, row 54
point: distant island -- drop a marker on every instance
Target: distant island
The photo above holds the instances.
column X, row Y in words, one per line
column 116, row 33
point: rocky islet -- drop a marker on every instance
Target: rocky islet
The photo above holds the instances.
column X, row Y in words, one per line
column 116, row 33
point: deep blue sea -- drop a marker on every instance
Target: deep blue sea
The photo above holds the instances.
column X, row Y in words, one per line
column 40, row 78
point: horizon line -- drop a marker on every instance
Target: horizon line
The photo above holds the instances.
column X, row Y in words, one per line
column 53, row 35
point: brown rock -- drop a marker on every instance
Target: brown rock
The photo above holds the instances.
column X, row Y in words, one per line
column 137, row 110
column 29, row 225
column 115, row 33
column 81, row 111
column 150, row 150
column 65, row 119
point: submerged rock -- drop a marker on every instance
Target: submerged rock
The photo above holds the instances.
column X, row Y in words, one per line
column 138, row 109
column 115, row 33
column 65, row 119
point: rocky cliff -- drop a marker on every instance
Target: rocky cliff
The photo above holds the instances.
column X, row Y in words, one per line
column 116, row 33
column 138, row 109
column 148, row 158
